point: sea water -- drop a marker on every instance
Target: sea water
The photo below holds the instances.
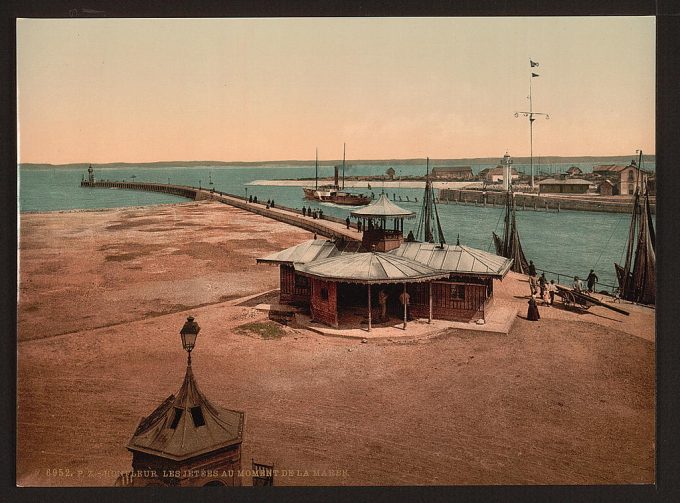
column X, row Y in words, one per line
column 569, row 242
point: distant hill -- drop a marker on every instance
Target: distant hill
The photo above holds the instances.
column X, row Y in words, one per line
column 620, row 159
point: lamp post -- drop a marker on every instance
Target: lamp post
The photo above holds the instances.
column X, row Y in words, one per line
column 189, row 333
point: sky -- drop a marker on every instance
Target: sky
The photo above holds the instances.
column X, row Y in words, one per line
column 142, row 90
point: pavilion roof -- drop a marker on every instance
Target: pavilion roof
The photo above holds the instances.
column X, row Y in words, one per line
column 308, row 251
column 383, row 207
column 370, row 267
column 173, row 430
column 455, row 258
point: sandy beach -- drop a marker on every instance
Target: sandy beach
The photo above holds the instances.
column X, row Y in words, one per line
column 103, row 294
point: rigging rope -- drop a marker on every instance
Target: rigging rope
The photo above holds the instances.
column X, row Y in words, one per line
column 616, row 225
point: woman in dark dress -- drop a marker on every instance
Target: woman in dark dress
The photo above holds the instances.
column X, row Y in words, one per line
column 532, row 314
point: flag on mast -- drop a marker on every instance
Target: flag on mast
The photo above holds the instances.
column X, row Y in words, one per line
column 533, row 63
column 534, row 74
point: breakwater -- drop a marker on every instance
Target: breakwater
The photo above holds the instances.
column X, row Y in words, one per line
column 326, row 226
column 539, row 202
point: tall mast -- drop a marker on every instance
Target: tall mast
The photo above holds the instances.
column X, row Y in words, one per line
column 428, row 206
column 316, row 170
column 343, row 165
column 530, row 114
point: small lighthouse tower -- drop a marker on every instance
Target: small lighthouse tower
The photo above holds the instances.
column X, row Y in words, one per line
column 90, row 175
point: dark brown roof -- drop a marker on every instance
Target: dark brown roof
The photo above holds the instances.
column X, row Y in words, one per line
column 452, row 169
column 187, row 425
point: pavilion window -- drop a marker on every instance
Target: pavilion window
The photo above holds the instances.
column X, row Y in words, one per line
column 301, row 281
column 175, row 420
column 457, row 292
column 324, row 293
column 197, row 416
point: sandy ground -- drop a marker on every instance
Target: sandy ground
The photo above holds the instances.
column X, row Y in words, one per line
column 565, row 400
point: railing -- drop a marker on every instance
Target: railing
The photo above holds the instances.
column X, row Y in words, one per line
column 612, row 289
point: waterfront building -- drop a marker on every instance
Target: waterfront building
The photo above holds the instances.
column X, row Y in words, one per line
column 607, row 188
column 497, row 174
column 335, row 280
column 631, row 177
column 452, row 173
column 567, row 186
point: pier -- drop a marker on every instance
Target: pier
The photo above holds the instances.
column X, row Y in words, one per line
column 540, row 202
column 327, row 226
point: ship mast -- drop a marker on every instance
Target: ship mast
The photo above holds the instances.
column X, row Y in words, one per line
column 343, row 166
column 530, row 114
column 316, row 170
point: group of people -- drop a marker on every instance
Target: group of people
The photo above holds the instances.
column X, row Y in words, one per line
column 309, row 212
column 540, row 288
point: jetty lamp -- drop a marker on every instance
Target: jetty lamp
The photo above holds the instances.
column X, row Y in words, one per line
column 189, row 333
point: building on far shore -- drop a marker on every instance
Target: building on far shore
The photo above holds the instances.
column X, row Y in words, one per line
column 339, row 282
column 631, row 177
column 567, row 186
column 452, row 173
column 607, row 188
column 495, row 175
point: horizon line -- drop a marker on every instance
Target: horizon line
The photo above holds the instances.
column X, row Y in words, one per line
column 337, row 160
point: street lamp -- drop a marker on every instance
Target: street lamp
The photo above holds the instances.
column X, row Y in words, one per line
column 189, row 333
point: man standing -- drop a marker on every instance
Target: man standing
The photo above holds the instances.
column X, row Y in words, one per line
column 304, row 211
column 382, row 300
column 542, row 282
column 591, row 280
column 532, row 277
column 347, row 222
column 405, row 300
column 552, row 288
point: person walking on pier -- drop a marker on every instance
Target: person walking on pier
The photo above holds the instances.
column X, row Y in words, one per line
column 272, row 203
column 250, row 199
column 532, row 277
column 542, row 282
column 347, row 222
column 552, row 288
column 591, row 280
column 532, row 313
column 304, row 211
column 358, row 225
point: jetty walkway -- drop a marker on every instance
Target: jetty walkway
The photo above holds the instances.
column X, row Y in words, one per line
column 327, row 226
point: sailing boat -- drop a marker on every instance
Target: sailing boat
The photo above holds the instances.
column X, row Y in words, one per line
column 510, row 246
column 332, row 193
column 210, row 176
column 637, row 277
column 429, row 228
